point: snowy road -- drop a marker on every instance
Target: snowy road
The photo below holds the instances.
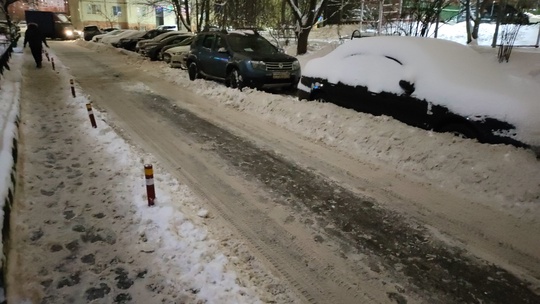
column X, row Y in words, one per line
column 338, row 230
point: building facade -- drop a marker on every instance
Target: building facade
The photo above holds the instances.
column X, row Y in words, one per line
column 125, row 14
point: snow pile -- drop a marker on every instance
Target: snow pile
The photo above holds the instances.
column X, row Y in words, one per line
column 499, row 175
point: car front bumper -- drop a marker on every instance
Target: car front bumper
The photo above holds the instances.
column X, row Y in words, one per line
column 268, row 79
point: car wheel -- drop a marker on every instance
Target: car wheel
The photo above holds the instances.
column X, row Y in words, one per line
column 193, row 71
column 235, row 80
column 460, row 130
column 166, row 58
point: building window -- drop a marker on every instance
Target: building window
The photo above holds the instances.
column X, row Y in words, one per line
column 93, row 9
column 117, row 11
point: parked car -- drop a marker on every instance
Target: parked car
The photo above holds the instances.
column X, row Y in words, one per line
column 142, row 43
column 90, row 31
column 97, row 38
column 152, row 49
column 164, row 56
column 109, row 29
column 110, row 39
column 22, row 26
column 131, row 42
column 429, row 83
column 180, row 50
column 167, row 27
column 241, row 58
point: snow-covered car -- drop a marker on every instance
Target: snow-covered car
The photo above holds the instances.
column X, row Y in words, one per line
column 98, row 38
column 142, row 43
column 167, row 27
column 90, row 31
column 179, row 49
column 110, row 39
column 131, row 42
column 428, row 83
column 153, row 49
column 533, row 18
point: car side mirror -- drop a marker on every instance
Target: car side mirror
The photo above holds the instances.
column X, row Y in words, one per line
column 407, row 87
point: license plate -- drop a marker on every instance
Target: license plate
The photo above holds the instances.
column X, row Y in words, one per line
column 281, row 75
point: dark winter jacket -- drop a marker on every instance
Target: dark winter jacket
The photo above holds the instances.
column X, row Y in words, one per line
column 34, row 37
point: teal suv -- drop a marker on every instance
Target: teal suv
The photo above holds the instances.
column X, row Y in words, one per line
column 241, row 58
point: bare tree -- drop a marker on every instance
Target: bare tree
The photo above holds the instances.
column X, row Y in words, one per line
column 104, row 13
column 306, row 13
column 418, row 16
column 5, row 7
column 4, row 57
column 473, row 16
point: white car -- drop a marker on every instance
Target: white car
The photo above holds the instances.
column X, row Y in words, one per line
column 110, row 39
column 175, row 56
column 178, row 57
column 22, row 26
column 98, row 38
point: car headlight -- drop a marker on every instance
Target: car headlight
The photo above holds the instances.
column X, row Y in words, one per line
column 296, row 65
column 260, row 65
column 68, row 32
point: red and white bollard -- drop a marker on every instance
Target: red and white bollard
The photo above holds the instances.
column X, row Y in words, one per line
column 52, row 61
column 91, row 115
column 150, row 191
column 72, row 88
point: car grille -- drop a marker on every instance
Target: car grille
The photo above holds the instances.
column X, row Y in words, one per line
column 279, row 66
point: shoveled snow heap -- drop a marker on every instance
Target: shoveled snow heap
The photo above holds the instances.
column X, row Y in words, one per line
column 498, row 175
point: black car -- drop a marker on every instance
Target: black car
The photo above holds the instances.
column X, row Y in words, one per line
column 416, row 81
column 141, row 44
column 130, row 43
column 166, row 57
column 90, row 31
column 241, row 58
column 152, row 49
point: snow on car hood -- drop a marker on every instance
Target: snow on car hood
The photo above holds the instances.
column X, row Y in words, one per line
column 443, row 72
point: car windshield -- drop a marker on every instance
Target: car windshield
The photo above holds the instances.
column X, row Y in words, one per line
column 115, row 32
column 251, row 43
column 164, row 35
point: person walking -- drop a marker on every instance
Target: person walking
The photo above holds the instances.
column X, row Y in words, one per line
column 35, row 39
